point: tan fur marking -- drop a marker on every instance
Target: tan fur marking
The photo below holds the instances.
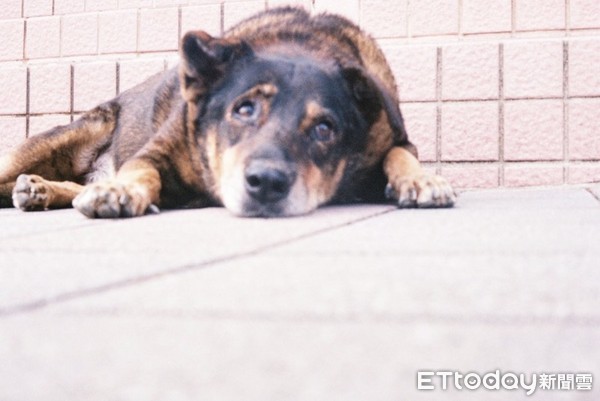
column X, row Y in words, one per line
column 333, row 182
column 313, row 178
column 313, row 111
column 380, row 141
column 63, row 193
column 319, row 187
column 142, row 174
column 400, row 163
column 262, row 93
column 7, row 173
column 230, row 181
column 214, row 161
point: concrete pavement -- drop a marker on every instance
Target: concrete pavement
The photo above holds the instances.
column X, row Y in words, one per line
column 348, row 303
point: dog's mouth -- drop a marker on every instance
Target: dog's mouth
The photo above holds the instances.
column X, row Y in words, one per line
column 255, row 209
column 247, row 206
column 265, row 188
column 272, row 183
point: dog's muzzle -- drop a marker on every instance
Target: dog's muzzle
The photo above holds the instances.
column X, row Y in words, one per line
column 268, row 182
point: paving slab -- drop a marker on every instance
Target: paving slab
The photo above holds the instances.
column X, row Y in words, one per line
column 345, row 304
column 70, row 255
column 17, row 225
column 98, row 358
column 458, row 287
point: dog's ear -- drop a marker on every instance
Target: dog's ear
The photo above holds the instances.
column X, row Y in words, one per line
column 372, row 98
column 205, row 60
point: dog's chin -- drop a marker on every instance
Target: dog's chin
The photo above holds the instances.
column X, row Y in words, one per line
column 251, row 208
column 279, row 209
column 257, row 210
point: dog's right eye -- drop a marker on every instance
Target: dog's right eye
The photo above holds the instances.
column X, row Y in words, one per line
column 246, row 110
column 323, row 132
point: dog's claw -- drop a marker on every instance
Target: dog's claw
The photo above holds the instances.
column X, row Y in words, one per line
column 153, row 209
column 111, row 200
column 424, row 191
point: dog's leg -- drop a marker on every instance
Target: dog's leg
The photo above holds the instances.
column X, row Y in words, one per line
column 410, row 186
column 62, row 156
column 163, row 173
column 6, row 194
column 32, row 192
column 136, row 187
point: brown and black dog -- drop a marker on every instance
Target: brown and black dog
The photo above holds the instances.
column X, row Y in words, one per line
column 283, row 114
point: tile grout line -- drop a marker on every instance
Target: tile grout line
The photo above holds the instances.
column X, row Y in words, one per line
column 222, row 17
column 567, row 18
column 566, row 169
column 438, row 116
column 513, row 17
column 179, row 25
column 501, row 105
column 460, row 24
column 27, row 100
column 138, row 15
column 72, row 88
column 131, row 281
column 118, row 78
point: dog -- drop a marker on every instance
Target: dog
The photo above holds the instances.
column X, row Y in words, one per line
column 286, row 112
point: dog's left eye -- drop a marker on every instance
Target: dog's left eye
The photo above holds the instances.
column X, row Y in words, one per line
column 246, row 110
column 323, row 132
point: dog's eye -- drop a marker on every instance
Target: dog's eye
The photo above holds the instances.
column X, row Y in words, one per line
column 246, row 110
column 323, row 132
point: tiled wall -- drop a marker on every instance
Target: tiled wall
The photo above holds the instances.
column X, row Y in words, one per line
column 495, row 92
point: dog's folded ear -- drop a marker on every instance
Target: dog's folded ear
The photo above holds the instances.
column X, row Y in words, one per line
column 372, row 98
column 204, row 60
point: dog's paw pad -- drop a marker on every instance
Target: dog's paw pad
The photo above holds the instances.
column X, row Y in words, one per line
column 424, row 191
column 30, row 193
column 111, row 200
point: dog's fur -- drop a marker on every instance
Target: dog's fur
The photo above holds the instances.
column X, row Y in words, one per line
column 285, row 113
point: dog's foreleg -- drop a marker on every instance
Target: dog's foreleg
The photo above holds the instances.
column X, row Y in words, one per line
column 62, row 156
column 132, row 193
column 32, row 192
column 411, row 186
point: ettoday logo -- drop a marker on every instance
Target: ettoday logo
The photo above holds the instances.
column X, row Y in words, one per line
column 497, row 380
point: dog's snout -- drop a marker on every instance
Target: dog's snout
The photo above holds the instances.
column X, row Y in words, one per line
column 267, row 183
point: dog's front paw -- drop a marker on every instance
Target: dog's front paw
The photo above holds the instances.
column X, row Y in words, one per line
column 426, row 190
column 30, row 193
column 112, row 200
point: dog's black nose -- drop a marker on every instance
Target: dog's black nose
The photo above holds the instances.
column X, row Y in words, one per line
column 266, row 183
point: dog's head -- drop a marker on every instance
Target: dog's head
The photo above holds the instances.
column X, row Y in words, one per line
column 280, row 131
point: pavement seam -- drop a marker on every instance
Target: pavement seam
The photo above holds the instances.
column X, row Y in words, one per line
column 128, row 282
column 49, row 231
column 594, row 194
column 350, row 318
